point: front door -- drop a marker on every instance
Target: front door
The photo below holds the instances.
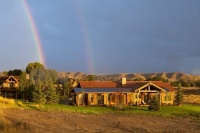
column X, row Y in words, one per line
column 100, row 99
column 86, row 99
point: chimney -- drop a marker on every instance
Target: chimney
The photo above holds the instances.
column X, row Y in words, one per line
column 27, row 77
column 123, row 81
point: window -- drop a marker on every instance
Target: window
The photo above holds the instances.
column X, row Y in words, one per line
column 100, row 99
column 168, row 98
column 12, row 85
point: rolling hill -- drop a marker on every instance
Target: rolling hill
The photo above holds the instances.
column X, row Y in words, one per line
column 174, row 76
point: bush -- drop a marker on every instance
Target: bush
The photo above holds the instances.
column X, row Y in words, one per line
column 179, row 96
column 154, row 104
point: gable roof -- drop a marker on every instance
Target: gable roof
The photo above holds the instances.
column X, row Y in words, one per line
column 151, row 84
column 165, row 86
column 5, row 78
column 98, row 84
column 137, row 84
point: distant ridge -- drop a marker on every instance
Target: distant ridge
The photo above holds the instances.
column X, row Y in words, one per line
column 174, row 76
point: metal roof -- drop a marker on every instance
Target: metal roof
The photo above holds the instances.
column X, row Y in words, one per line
column 167, row 90
column 99, row 90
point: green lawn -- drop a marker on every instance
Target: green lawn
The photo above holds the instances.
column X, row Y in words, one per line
column 187, row 110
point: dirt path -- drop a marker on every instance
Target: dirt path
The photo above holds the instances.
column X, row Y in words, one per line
column 52, row 122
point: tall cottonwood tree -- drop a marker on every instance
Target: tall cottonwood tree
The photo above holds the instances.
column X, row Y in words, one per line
column 35, row 65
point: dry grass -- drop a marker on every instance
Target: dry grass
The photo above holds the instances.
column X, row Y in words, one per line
column 9, row 126
column 57, row 122
column 191, row 95
column 3, row 121
column 7, row 102
column 192, row 99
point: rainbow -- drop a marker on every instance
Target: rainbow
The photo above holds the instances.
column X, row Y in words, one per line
column 87, row 42
column 35, row 33
column 86, row 39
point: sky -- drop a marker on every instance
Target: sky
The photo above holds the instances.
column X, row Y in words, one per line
column 102, row 37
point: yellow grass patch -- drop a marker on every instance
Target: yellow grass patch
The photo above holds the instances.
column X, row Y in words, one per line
column 194, row 99
column 10, row 103
column 7, row 103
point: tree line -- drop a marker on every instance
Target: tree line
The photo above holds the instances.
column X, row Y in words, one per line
column 40, row 85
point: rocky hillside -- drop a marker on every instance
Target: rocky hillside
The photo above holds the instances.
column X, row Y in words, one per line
column 133, row 76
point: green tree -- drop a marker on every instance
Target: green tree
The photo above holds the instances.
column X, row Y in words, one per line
column 179, row 96
column 66, row 86
column 23, row 84
column 51, row 94
column 32, row 66
column 154, row 104
column 91, row 77
column 53, row 74
column 39, row 96
column 42, row 81
column 44, row 75
column 5, row 72
column 28, row 92
column 15, row 72
column 197, row 83
column 65, row 82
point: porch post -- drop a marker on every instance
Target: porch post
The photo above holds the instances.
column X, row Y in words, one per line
column 137, row 98
column 149, row 87
column 160, row 98
column 126, row 94
column 77, row 99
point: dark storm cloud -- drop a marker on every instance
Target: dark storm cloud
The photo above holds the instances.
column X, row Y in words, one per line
column 120, row 36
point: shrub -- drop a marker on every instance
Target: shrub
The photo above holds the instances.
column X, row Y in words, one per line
column 179, row 96
column 154, row 104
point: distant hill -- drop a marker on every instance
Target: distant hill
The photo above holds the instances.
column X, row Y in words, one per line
column 132, row 76
column 173, row 76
